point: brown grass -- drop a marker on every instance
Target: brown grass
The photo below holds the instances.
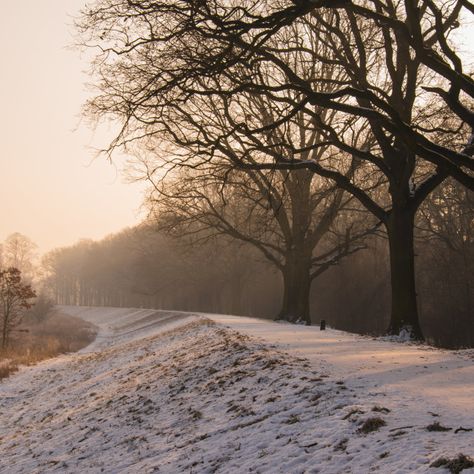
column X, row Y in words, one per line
column 455, row 465
column 57, row 334
column 7, row 368
column 371, row 424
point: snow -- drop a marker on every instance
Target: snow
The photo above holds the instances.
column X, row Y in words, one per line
column 177, row 392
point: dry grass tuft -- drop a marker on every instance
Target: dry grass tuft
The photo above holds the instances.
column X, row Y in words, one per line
column 455, row 465
column 437, row 427
column 371, row 424
column 7, row 368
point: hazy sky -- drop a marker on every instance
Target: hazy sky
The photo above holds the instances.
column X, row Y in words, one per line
column 50, row 189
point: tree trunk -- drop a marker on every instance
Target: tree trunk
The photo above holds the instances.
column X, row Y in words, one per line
column 5, row 332
column 404, row 312
column 296, row 287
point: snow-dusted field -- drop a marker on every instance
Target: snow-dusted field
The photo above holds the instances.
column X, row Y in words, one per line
column 180, row 393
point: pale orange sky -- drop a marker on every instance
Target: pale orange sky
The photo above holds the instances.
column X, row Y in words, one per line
column 49, row 188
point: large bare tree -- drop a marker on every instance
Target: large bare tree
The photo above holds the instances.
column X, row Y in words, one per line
column 300, row 225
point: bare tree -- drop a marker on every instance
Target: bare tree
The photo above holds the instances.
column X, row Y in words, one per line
column 445, row 251
column 14, row 300
column 297, row 223
column 19, row 251
column 284, row 215
column 295, row 219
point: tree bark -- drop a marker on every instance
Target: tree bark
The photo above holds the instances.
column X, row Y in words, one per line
column 404, row 311
column 296, row 287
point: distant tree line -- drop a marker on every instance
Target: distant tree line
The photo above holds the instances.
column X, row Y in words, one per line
column 139, row 267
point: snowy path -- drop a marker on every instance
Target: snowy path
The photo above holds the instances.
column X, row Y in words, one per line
column 181, row 393
column 440, row 381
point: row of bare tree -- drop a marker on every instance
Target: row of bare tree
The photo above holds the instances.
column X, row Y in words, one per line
column 300, row 127
column 151, row 266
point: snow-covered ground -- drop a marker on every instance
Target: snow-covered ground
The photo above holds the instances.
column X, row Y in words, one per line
column 186, row 393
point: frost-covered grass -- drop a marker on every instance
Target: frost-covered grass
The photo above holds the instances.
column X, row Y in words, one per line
column 178, row 393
